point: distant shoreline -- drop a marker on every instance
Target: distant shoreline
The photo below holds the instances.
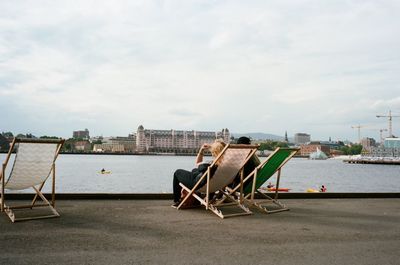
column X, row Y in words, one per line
column 140, row 154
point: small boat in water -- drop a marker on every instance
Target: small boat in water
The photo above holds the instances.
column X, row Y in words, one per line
column 278, row 189
column 275, row 189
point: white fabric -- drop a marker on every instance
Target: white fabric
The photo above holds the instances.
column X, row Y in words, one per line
column 232, row 161
column 32, row 165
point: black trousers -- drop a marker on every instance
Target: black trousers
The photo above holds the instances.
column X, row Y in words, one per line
column 187, row 178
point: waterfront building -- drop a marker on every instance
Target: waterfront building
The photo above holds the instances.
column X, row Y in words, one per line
column 332, row 144
column 367, row 144
column 176, row 141
column 311, row 147
column 82, row 146
column 81, row 134
column 301, row 138
column 384, row 152
column 118, row 144
column 392, row 143
column 109, row 148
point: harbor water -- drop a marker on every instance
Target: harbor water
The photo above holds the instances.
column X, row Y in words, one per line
column 153, row 174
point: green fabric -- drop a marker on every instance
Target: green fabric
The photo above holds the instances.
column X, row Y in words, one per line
column 269, row 168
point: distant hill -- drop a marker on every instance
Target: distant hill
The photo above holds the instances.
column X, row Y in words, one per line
column 259, row 136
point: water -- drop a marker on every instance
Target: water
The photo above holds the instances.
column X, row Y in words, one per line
column 153, row 174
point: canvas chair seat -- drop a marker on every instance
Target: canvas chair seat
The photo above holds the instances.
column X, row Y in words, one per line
column 34, row 161
column 230, row 161
column 261, row 174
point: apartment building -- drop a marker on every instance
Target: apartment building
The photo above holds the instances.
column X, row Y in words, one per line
column 150, row 140
column 302, row 138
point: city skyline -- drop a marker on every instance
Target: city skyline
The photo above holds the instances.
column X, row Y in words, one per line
column 260, row 66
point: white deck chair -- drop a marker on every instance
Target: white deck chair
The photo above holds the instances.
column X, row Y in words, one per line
column 33, row 163
column 231, row 160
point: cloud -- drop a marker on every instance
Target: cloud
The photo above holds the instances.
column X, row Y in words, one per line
column 269, row 66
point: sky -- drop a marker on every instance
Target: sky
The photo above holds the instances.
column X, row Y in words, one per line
column 318, row 67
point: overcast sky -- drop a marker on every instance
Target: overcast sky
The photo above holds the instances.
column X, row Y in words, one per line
column 318, row 67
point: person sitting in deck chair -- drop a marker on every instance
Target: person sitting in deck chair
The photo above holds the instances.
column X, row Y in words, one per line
column 249, row 166
column 190, row 178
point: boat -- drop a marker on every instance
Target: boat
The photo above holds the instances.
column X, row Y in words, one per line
column 318, row 155
column 278, row 189
column 105, row 172
column 312, row 190
column 274, row 189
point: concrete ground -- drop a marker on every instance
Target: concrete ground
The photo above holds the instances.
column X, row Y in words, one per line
column 314, row 231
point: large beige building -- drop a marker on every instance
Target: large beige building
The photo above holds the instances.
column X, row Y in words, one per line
column 175, row 141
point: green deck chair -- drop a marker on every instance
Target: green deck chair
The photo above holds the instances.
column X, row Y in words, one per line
column 261, row 174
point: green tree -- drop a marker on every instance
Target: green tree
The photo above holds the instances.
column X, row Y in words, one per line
column 8, row 134
column 354, row 149
column 271, row 145
column 49, row 137
column 4, row 145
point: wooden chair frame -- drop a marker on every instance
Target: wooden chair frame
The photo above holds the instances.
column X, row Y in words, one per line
column 215, row 205
column 38, row 190
column 249, row 198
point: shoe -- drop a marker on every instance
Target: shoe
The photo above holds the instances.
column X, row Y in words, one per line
column 175, row 205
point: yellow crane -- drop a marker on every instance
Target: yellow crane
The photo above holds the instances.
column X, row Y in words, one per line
column 390, row 116
column 358, row 127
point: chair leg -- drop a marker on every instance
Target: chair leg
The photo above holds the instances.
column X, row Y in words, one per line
column 11, row 214
column 260, row 206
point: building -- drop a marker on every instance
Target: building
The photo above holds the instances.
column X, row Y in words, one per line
column 117, row 144
column 82, row 146
column 307, row 149
column 392, row 143
column 109, row 148
column 176, row 141
column 81, row 134
column 367, row 144
column 301, row 138
column 384, row 152
column 333, row 144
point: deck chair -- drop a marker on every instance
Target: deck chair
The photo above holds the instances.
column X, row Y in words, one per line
column 253, row 182
column 230, row 162
column 33, row 163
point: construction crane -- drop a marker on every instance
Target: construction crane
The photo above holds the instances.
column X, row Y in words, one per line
column 358, row 127
column 390, row 116
column 381, row 138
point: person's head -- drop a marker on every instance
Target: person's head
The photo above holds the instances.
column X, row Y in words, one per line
column 243, row 140
column 217, row 147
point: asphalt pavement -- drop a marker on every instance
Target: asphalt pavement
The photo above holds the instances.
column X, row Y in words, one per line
column 314, row 231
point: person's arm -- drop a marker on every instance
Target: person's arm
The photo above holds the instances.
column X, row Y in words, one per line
column 199, row 157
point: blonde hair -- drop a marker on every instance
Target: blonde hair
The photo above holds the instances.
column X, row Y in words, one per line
column 217, row 147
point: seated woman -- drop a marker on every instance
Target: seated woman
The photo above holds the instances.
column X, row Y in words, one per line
column 190, row 178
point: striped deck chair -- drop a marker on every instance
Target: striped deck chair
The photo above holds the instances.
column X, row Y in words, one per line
column 33, row 163
column 253, row 182
column 230, row 162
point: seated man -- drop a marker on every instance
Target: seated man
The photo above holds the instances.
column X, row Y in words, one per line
column 248, row 167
